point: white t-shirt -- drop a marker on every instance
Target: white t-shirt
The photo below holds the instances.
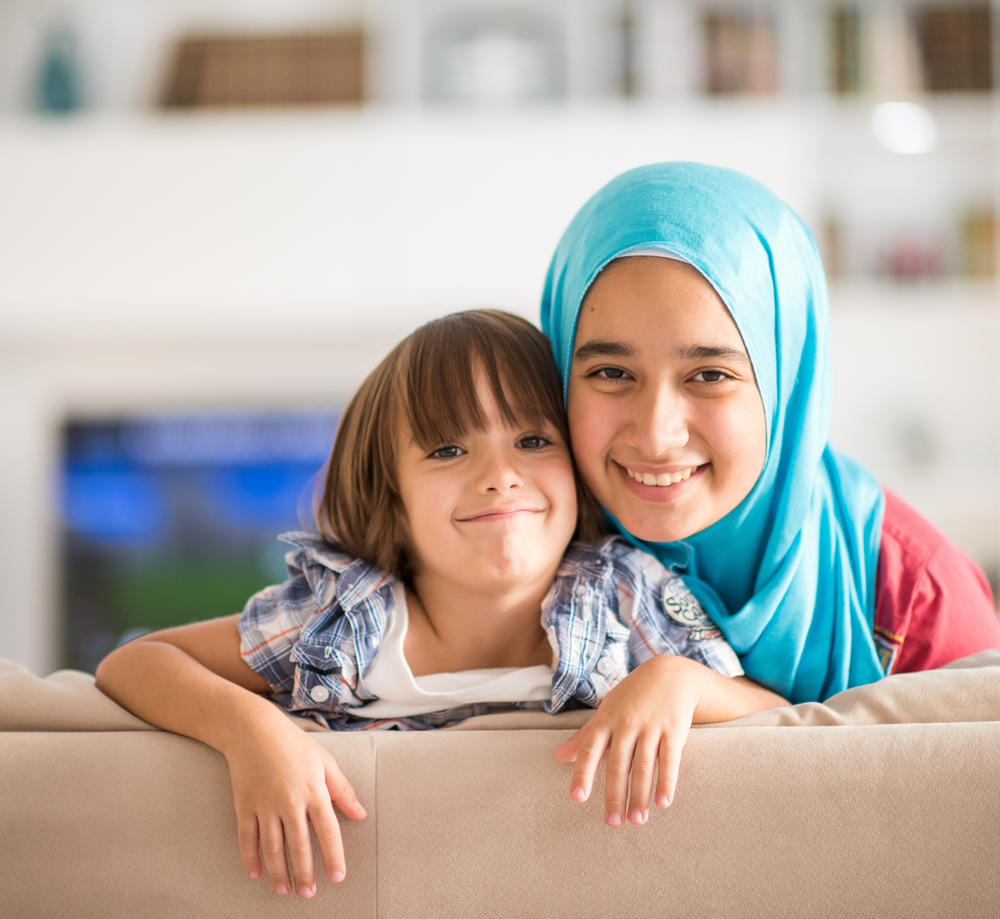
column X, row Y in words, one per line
column 402, row 695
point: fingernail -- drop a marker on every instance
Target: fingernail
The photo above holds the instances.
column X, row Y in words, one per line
column 614, row 819
column 360, row 810
column 636, row 817
column 281, row 890
column 578, row 794
column 663, row 801
column 336, row 876
column 253, row 875
column 305, row 892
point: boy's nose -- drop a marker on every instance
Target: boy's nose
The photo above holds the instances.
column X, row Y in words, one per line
column 499, row 475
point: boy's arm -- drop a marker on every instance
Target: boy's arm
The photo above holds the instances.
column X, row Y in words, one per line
column 192, row 680
column 643, row 723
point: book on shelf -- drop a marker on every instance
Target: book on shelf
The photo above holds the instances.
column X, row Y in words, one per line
column 979, row 243
column 266, row 70
column 845, row 50
column 740, row 52
column 943, row 47
column 956, row 47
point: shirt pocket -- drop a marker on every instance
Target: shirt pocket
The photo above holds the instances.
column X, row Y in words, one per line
column 325, row 677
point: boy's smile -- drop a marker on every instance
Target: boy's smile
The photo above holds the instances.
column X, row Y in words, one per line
column 494, row 509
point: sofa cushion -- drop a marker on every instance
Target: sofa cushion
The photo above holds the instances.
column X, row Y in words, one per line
column 966, row 690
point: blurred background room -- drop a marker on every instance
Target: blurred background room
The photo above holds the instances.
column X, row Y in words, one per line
column 217, row 216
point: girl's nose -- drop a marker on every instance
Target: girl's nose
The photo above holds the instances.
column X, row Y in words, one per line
column 658, row 423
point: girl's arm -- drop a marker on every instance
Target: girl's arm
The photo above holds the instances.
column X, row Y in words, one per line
column 192, row 680
column 644, row 721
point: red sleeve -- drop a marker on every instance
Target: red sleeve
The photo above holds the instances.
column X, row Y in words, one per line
column 933, row 605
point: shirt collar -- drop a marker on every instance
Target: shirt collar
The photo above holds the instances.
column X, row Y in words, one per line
column 356, row 580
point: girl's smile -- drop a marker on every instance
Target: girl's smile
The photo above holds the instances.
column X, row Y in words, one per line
column 661, row 486
column 667, row 424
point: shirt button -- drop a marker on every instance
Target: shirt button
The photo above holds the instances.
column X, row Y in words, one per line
column 606, row 666
column 319, row 693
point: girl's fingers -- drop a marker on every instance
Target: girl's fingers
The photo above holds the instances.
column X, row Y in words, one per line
column 643, row 766
column 249, row 839
column 616, row 775
column 671, row 745
column 272, row 845
column 331, row 847
column 587, row 759
column 341, row 792
column 300, row 851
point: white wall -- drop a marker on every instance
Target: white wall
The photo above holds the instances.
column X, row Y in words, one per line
column 256, row 260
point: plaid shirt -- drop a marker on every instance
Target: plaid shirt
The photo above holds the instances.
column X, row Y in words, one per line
column 610, row 608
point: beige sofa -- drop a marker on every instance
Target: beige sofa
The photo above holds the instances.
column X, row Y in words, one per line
column 884, row 802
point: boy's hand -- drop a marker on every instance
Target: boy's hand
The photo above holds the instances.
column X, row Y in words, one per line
column 643, row 722
column 282, row 784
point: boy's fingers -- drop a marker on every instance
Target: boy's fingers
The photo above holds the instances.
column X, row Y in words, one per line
column 341, row 792
column 616, row 775
column 643, row 767
column 249, row 839
column 300, row 851
column 671, row 746
column 331, row 847
column 272, row 845
column 567, row 752
column 587, row 759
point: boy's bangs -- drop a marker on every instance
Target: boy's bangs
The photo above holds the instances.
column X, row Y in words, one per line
column 441, row 401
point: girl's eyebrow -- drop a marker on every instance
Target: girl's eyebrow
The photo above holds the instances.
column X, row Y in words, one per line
column 701, row 352
column 604, row 348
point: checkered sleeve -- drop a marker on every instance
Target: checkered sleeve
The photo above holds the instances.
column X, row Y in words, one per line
column 664, row 616
column 273, row 619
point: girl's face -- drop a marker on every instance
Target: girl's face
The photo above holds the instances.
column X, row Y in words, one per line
column 666, row 420
column 493, row 509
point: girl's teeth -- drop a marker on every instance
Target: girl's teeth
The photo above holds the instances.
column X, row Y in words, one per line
column 664, row 478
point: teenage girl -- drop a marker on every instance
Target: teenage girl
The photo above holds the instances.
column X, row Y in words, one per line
column 444, row 582
column 687, row 308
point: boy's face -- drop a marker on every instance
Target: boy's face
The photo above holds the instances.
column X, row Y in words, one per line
column 494, row 509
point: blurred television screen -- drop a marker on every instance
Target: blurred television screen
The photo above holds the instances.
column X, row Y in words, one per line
column 173, row 518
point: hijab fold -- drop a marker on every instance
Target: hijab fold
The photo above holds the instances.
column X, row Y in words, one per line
column 789, row 574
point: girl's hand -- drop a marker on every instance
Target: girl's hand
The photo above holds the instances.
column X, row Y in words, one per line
column 644, row 722
column 281, row 786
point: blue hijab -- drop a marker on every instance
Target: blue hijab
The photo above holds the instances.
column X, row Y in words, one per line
column 789, row 574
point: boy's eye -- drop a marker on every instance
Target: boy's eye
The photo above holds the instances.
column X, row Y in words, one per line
column 449, row 452
column 532, row 442
column 710, row 376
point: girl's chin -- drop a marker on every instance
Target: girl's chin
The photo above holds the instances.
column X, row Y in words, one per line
column 652, row 517
column 641, row 527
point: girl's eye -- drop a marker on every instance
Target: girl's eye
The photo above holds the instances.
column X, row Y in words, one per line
column 710, row 376
column 449, row 452
column 532, row 442
column 609, row 373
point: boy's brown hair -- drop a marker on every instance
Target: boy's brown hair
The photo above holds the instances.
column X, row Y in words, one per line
column 427, row 386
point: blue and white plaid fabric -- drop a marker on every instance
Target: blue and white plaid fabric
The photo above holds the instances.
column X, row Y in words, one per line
column 610, row 608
